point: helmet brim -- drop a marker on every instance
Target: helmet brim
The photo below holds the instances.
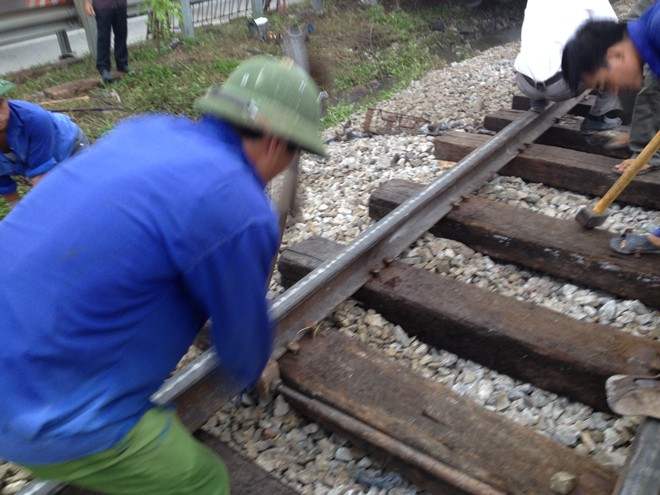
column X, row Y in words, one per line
column 6, row 86
column 269, row 117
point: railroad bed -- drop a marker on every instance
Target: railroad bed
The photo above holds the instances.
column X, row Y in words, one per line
column 405, row 413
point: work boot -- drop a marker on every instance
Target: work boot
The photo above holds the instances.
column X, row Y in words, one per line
column 106, row 76
column 592, row 124
column 538, row 105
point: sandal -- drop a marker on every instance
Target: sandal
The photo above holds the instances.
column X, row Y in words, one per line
column 647, row 169
column 633, row 244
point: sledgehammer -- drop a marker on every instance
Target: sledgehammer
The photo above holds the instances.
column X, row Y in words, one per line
column 590, row 219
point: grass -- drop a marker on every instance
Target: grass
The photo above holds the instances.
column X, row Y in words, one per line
column 350, row 47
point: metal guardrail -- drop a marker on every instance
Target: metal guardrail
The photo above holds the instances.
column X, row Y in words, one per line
column 205, row 12
column 35, row 23
column 12, row 6
column 21, row 22
column 29, row 23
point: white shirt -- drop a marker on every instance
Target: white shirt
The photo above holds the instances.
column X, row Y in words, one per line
column 547, row 26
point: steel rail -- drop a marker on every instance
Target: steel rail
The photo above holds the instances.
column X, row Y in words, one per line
column 197, row 391
column 641, row 473
column 396, row 448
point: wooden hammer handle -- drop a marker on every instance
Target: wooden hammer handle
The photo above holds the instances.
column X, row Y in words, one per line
column 629, row 174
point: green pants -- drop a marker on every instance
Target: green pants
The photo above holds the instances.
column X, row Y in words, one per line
column 157, row 457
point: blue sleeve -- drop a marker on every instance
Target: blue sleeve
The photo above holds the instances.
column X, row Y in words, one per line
column 42, row 148
column 654, row 31
column 230, row 281
column 7, row 184
column 645, row 34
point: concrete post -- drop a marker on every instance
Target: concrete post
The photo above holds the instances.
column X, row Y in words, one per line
column 89, row 25
column 294, row 46
column 188, row 29
column 257, row 9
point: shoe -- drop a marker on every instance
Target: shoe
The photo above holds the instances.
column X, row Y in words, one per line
column 592, row 124
column 106, row 75
column 126, row 69
column 538, row 105
column 633, row 244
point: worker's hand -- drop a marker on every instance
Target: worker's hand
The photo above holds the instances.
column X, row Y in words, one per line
column 270, row 379
column 36, row 179
column 89, row 10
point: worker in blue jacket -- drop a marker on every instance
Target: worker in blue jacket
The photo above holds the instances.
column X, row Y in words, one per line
column 612, row 55
column 160, row 225
column 32, row 141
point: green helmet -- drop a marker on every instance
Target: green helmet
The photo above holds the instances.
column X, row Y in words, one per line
column 269, row 95
column 6, row 86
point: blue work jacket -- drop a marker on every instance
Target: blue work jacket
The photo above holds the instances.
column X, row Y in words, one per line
column 38, row 139
column 109, row 268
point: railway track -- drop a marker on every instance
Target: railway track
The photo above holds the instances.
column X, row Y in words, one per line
column 440, row 440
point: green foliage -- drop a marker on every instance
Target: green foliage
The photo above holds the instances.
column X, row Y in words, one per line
column 362, row 73
column 159, row 19
column 159, row 88
column 407, row 62
column 397, row 20
column 337, row 114
column 225, row 67
column 377, row 14
column 404, row 62
column 143, row 54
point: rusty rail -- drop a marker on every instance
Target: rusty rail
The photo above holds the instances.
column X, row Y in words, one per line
column 641, row 473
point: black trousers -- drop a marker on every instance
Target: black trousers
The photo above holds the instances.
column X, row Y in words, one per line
column 114, row 20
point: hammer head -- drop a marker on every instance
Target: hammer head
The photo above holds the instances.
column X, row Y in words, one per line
column 589, row 219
